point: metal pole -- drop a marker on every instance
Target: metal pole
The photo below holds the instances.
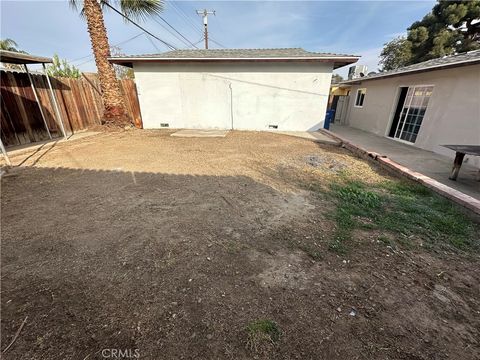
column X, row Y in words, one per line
column 206, row 31
column 7, row 159
column 204, row 13
column 54, row 98
column 38, row 100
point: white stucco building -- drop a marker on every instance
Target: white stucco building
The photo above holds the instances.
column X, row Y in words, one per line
column 246, row 89
column 433, row 103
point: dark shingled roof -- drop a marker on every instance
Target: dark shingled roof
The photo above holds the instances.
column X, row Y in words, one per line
column 462, row 59
column 238, row 55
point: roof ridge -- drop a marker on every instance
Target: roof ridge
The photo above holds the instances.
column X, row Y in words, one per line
column 281, row 48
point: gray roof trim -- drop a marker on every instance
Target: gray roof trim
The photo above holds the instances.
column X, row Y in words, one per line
column 463, row 59
column 13, row 57
column 229, row 55
column 143, row 58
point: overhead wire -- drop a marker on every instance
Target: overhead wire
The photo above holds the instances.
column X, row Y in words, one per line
column 216, row 42
column 194, row 24
column 186, row 18
column 188, row 42
column 170, row 46
column 117, row 44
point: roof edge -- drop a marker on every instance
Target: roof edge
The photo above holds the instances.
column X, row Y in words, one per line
column 338, row 61
column 412, row 71
column 14, row 57
column 153, row 58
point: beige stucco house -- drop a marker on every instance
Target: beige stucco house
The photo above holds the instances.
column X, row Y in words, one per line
column 427, row 105
column 247, row 89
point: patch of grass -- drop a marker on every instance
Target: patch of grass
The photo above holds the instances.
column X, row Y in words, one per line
column 405, row 188
column 355, row 201
column 355, row 194
column 386, row 240
column 407, row 210
column 262, row 333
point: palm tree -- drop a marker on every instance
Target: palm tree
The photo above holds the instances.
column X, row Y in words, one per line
column 92, row 10
column 8, row 44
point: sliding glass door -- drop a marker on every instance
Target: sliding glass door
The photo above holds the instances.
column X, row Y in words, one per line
column 413, row 111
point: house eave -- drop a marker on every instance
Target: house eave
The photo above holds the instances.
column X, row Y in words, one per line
column 337, row 61
column 413, row 71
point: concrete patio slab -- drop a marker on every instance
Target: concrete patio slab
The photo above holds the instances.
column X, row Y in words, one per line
column 197, row 133
column 314, row 136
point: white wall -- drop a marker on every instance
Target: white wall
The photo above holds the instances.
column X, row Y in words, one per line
column 249, row 95
column 453, row 112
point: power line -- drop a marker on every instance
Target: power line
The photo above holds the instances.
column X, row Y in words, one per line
column 153, row 44
column 216, row 42
column 120, row 43
column 199, row 41
column 166, row 22
column 170, row 46
column 117, row 44
column 193, row 24
column 85, row 62
column 172, row 33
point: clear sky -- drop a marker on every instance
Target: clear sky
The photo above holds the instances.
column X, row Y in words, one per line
column 350, row 27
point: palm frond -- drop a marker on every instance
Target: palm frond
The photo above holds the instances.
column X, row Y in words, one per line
column 77, row 5
column 141, row 9
column 8, row 44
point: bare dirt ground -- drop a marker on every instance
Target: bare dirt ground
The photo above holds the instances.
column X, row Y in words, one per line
column 170, row 248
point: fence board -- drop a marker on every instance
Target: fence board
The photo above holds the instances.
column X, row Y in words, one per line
column 79, row 102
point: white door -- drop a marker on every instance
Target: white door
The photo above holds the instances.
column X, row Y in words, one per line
column 413, row 111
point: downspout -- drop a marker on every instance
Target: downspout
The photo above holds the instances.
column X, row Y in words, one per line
column 231, row 103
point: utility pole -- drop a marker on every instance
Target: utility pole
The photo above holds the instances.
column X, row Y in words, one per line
column 204, row 13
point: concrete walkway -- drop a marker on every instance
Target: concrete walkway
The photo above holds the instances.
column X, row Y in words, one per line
column 314, row 136
column 428, row 163
column 199, row 133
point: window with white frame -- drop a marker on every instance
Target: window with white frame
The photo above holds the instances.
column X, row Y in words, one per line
column 360, row 98
column 413, row 112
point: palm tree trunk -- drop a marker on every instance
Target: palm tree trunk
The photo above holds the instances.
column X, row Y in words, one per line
column 111, row 96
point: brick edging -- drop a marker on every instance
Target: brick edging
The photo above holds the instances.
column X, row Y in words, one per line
column 460, row 198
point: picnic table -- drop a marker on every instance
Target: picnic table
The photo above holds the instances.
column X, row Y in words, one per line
column 460, row 152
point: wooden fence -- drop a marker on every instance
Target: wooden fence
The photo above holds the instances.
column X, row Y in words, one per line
column 79, row 102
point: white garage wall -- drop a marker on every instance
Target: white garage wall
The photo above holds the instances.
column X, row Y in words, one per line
column 250, row 96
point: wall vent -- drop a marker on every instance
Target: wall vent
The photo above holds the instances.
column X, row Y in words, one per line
column 273, row 126
column 164, row 125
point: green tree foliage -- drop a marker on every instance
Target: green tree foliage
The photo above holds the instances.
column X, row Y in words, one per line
column 337, row 78
column 451, row 27
column 61, row 68
column 11, row 45
column 396, row 53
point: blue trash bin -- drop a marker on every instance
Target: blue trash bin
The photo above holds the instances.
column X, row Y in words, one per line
column 328, row 118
